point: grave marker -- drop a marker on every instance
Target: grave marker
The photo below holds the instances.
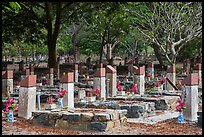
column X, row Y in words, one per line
column 139, row 78
column 191, row 100
column 7, row 82
column 67, row 81
column 27, row 97
column 150, row 69
column 99, row 81
column 171, row 75
column 111, row 74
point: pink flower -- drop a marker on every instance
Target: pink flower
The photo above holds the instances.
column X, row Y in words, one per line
column 120, row 88
column 118, row 83
column 134, row 88
column 16, row 107
column 89, row 94
column 59, row 95
column 8, row 105
column 6, row 109
column 148, row 75
column 178, row 108
column 64, row 92
column 38, row 81
column 96, row 91
column 10, row 100
column 163, row 80
column 158, row 84
column 46, row 81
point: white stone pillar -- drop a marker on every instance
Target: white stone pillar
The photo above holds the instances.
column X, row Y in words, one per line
column 67, row 81
column 191, row 100
column 7, row 82
column 27, row 97
column 76, row 72
column 171, row 75
column 111, row 74
column 150, row 69
column 99, row 82
column 139, row 78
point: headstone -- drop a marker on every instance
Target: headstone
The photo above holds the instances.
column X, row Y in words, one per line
column 7, row 82
column 111, row 74
column 82, row 94
column 67, row 81
column 76, row 72
column 27, row 97
column 139, row 78
column 191, row 100
column 150, row 69
column 171, row 75
column 99, row 82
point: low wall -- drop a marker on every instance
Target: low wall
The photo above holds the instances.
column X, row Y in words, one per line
column 83, row 119
column 134, row 110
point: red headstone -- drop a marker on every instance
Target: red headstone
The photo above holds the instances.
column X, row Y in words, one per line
column 26, row 72
column 76, row 66
column 110, row 69
column 67, row 78
column 197, row 67
column 150, row 65
column 139, row 70
column 29, row 81
column 100, row 73
column 7, row 74
column 191, row 80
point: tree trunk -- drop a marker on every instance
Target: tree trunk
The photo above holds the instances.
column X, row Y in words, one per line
column 76, row 53
column 52, row 55
column 52, row 33
column 158, row 55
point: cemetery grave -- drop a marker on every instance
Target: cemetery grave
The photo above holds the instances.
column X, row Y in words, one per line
column 147, row 102
column 102, row 68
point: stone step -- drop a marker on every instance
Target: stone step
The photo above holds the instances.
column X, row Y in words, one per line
column 154, row 119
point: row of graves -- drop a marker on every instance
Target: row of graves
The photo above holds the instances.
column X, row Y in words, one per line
column 98, row 97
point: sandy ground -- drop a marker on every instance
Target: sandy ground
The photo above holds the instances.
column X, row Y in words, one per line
column 168, row 127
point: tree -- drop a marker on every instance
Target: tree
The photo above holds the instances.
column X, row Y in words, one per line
column 49, row 16
column 111, row 23
column 11, row 6
column 168, row 25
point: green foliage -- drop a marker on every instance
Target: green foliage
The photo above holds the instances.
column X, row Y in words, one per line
column 11, row 6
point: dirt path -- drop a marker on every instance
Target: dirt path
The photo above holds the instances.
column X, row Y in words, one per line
column 168, row 127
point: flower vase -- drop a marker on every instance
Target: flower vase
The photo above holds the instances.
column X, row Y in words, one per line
column 180, row 118
column 10, row 116
column 60, row 104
